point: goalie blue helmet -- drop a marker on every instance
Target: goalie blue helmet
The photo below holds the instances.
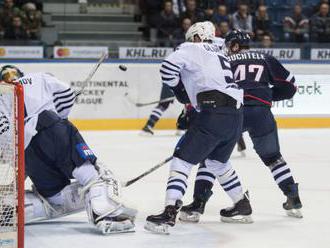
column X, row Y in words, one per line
column 10, row 73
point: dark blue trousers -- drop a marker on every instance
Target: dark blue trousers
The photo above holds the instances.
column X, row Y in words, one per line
column 53, row 154
column 212, row 135
column 259, row 122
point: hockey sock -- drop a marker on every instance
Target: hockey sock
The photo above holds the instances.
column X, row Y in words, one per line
column 203, row 183
column 282, row 175
column 227, row 178
column 85, row 173
column 177, row 181
column 155, row 116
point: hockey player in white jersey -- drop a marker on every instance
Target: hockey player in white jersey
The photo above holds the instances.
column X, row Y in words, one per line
column 55, row 153
column 200, row 74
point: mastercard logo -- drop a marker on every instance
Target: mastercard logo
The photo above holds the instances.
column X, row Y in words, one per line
column 63, row 52
column 2, row 52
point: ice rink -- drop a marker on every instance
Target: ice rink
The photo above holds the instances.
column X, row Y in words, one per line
column 307, row 152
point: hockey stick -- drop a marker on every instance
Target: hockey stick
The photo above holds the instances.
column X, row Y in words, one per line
column 137, row 104
column 128, row 183
column 91, row 73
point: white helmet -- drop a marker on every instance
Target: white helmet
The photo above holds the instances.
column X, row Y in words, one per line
column 196, row 29
column 209, row 30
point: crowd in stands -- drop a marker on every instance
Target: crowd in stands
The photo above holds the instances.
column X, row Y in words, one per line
column 20, row 20
column 168, row 20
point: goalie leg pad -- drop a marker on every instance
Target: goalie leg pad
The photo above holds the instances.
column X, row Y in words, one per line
column 104, row 207
column 66, row 202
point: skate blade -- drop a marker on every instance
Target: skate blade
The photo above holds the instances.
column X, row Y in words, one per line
column 296, row 213
column 239, row 219
column 179, row 132
column 145, row 134
column 110, row 227
column 189, row 217
column 156, row 228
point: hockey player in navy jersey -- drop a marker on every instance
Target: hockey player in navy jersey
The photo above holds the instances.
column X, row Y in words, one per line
column 200, row 74
column 264, row 79
column 55, row 153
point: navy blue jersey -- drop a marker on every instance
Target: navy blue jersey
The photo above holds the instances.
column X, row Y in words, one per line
column 263, row 78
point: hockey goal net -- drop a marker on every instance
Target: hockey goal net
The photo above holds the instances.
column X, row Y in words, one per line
column 11, row 166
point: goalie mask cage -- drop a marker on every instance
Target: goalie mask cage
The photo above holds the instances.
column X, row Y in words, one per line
column 11, row 166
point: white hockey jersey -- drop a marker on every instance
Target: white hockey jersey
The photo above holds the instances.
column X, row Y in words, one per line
column 201, row 67
column 43, row 91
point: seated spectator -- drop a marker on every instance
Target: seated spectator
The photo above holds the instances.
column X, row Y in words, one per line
column 192, row 12
column 266, row 41
column 243, row 20
column 208, row 14
column 16, row 31
column 7, row 12
column 296, row 27
column 223, row 29
column 32, row 19
column 251, row 4
column 262, row 22
column 221, row 15
column 168, row 22
column 320, row 24
column 179, row 34
column 37, row 3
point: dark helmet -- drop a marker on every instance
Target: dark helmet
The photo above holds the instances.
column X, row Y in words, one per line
column 239, row 37
column 10, row 73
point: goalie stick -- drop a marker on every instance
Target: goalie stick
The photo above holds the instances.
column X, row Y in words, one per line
column 137, row 104
column 128, row 183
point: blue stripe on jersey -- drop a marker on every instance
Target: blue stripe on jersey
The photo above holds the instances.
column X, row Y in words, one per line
column 167, row 78
column 62, row 103
column 64, row 108
column 170, row 69
column 164, row 72
column 63, row 96
column 166, row 61
column 61, row 92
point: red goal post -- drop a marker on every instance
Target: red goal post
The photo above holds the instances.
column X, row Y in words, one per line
column 12, row 174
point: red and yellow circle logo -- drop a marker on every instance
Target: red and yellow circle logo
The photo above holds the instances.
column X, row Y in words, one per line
column 63, row 52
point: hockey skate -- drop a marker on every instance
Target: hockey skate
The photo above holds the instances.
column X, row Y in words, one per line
column 193, row 211
column 293, row 204
column 159, row 223
column 146, row 131
column 239, row 213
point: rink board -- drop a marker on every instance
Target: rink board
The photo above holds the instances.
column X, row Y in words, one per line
column 107, row 103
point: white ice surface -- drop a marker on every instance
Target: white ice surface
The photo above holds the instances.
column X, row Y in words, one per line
column 306, row 151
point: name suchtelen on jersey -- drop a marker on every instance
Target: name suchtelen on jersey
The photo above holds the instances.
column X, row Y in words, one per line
column 200, row 67
column 42, row 91
column 263, row 78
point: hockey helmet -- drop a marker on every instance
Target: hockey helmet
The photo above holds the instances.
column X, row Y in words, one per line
column 202, row 30
column 239, row 37
column 10, row 73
